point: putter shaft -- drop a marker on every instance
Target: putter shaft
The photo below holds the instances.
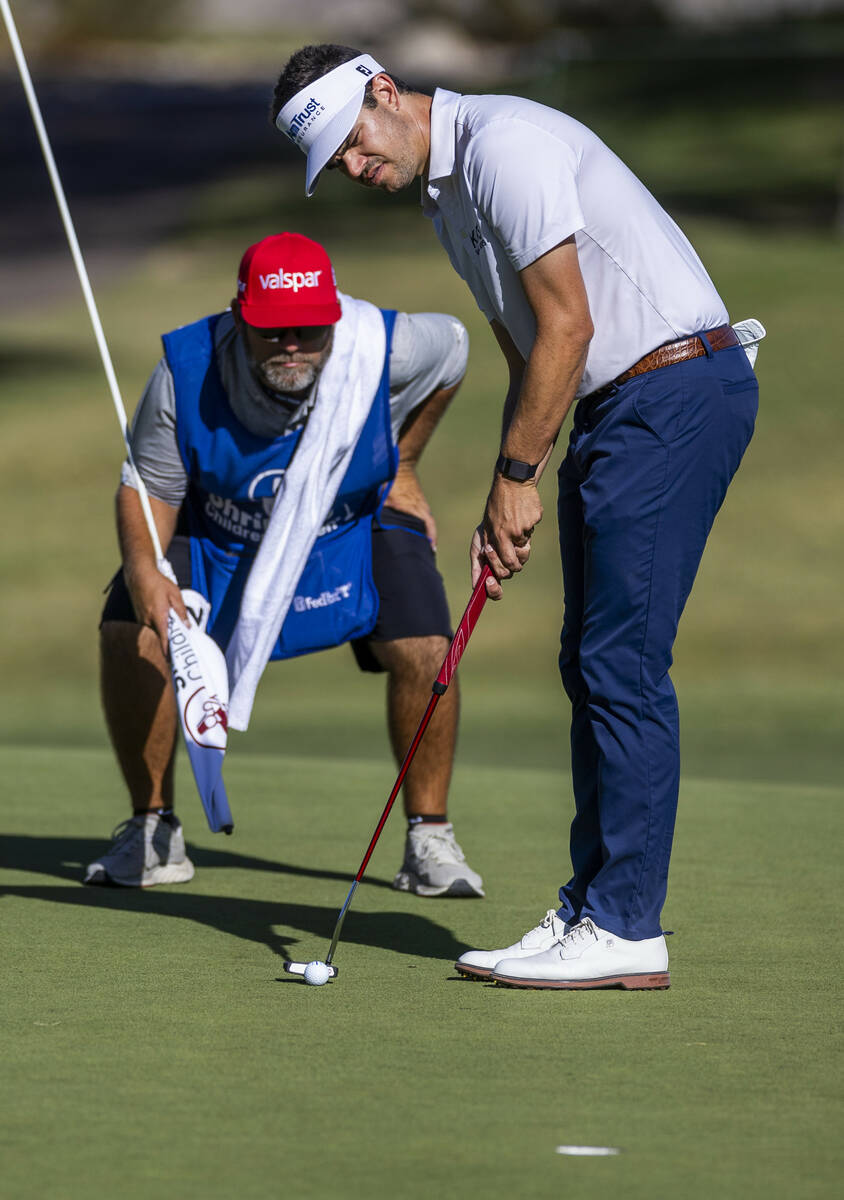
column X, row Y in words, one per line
column 449, row 666
column 341, row 918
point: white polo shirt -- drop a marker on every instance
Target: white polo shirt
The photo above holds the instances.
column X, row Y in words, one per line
column 510, row 179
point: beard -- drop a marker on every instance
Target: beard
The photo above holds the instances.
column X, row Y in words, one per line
column 403, row 173
column 400, row 160
column 290, row 381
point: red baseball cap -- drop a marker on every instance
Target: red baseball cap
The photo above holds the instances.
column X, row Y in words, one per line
column 286, row 280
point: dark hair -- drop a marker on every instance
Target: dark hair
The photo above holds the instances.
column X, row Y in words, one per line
column 311, row 63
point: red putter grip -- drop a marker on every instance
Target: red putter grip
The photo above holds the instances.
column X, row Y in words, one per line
column 464, row 630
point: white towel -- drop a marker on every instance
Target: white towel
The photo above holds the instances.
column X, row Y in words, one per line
column 750, row 334
column 308, row 489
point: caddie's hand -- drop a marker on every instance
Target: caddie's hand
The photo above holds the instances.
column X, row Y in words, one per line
column 502, row 540
column 407, row 496
column 153, row 595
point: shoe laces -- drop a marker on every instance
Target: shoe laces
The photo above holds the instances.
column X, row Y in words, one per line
column 440, row 846
column 127, row 832
column 583, row 931
column 550, row 921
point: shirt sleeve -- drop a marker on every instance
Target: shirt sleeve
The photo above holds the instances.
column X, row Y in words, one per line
column 153, row 438
column 524, row 180
column 429, row 352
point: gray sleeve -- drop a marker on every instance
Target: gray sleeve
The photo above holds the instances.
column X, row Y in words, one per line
column 153, row 438
column 429, row 352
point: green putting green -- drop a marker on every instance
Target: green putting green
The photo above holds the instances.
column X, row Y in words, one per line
column 155, row 1045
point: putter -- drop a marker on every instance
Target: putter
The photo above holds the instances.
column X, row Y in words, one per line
column 455, row 652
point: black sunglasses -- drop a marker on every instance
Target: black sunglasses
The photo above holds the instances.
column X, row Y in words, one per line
column 305, row 335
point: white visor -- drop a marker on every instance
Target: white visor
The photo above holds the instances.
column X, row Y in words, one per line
column 320, row 117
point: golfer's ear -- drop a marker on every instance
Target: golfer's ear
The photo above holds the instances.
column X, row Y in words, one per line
column 385, row 91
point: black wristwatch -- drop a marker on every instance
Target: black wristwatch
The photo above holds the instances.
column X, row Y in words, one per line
column 511, row 468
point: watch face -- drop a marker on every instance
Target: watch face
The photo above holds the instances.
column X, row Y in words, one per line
column 512, row 468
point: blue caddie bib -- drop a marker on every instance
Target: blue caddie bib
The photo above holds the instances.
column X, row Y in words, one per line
column 233, row 477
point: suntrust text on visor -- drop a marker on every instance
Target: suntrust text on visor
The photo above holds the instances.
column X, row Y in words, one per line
column 319, row 117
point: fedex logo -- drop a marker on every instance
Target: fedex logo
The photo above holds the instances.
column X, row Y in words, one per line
column 280, row 280
column 323, row 600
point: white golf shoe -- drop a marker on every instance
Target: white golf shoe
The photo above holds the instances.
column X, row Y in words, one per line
column 434, row 864
column 146, row 850
column 479, row 964
column 589, row 957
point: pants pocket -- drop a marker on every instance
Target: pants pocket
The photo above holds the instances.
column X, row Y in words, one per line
column 659, row 403
column 743, row 385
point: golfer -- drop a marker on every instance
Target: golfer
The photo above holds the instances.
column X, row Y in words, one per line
column 595, row 296
column 223, row 414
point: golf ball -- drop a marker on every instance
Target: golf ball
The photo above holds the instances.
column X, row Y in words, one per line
column 317, row 973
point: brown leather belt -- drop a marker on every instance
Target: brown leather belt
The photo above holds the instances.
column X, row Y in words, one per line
column 673, row 352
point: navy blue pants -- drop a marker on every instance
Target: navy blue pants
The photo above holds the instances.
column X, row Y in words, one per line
column 647, row 469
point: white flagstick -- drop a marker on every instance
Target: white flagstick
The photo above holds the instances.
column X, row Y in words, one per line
column 79, row 262
column 202, row 705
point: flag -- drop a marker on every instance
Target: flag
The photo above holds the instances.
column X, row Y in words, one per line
column 201, row 683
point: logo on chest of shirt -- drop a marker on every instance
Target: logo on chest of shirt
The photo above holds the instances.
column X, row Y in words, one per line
column 243, row 524
column 265, row 485
column 477, row 239
column 250, row 524
column 247, row 524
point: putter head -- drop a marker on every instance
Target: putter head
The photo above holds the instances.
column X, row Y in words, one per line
column 298, row 968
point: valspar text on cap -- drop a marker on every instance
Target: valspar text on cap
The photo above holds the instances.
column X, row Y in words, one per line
column 287, row 279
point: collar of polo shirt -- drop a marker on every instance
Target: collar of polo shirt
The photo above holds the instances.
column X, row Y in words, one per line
column 320, row 117
column 442, row 153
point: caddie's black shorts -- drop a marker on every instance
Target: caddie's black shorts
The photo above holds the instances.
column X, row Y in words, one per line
column 410, row 588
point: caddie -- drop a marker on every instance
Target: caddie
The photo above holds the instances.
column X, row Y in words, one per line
column 595, row 296
column 303, row 391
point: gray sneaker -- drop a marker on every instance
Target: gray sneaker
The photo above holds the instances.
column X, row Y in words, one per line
column 145, row 850
column 434, row 864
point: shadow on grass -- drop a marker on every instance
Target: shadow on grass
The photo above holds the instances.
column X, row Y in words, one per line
column 255, row 920
column 66, row 858
column 252, row 920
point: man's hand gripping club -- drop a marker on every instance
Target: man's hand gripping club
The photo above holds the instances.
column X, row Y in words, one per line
column 502, row 540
